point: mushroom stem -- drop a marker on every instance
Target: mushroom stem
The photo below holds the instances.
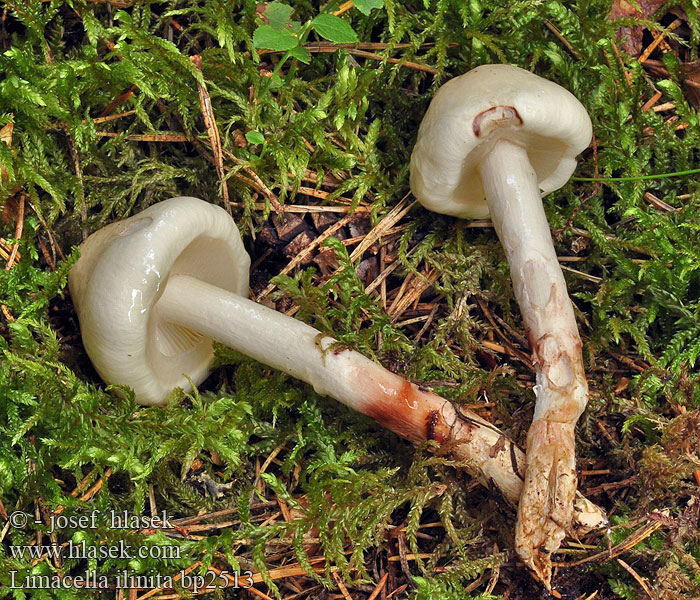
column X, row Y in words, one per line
column 300, row 350
column 545, row 508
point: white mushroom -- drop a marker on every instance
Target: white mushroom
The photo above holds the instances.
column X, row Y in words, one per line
column 489, row 142
column 153, row 291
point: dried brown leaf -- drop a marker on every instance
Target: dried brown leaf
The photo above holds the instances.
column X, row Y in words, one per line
column 691, row 71
column 642, row 9
column 6, row 137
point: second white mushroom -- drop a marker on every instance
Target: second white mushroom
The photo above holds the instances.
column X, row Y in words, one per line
column 490, row 141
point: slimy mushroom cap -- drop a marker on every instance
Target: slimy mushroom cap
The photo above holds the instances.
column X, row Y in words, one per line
column 122, row 271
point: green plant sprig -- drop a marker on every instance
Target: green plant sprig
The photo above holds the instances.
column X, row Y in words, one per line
column 638, row 177
column 277, row 31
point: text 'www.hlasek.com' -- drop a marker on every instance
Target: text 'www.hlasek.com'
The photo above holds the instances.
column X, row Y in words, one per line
column 82, row 547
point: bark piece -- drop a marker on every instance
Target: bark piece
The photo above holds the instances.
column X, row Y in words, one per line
column 323, row 220
column 288, row 225
column 298, row 244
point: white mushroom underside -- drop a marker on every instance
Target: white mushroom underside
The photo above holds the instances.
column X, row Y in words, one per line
column 539, row 115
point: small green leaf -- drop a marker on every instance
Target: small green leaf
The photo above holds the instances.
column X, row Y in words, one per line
column 123, row 17
column 255, row 137
column 365, row 6
column 334, row 29
column 301, row 53
column 278, row 15
column 270, row 39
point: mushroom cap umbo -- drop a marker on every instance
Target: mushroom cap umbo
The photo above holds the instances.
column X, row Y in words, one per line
column 123, row 270
column 470, row 113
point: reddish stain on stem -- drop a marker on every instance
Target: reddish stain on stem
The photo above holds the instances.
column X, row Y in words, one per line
column 435, row 428
column 408, row 412
column 406, row 395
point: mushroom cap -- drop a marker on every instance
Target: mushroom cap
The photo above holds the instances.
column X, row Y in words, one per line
column 122, row 271
column 470, row 113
